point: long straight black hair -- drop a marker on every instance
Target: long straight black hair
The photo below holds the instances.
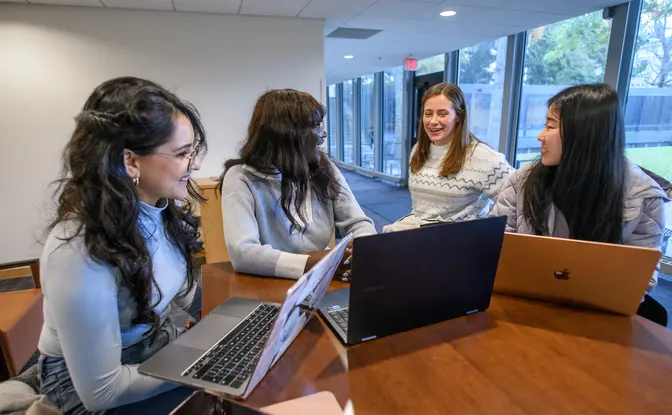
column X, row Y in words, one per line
column 588, row 184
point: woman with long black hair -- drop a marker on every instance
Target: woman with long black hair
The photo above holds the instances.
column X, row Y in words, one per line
column 583, row 187
column 282, row 199
column 120, row 251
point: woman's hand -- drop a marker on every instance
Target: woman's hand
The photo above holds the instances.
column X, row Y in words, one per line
column 313, row 258
column 347, row 263
column 343, row 272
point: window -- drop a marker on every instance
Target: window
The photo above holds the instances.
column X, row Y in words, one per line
column 332, row 132
column 368, row 123
column 563, row 54
column 348, row 121
column 392, row 116
column 481, row 79
column 648, row 113
column 431, row 65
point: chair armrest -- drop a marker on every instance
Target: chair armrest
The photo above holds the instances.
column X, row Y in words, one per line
column 17, row 264
column 34, row 265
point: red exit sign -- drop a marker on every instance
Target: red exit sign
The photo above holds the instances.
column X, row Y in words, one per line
column 411, row 64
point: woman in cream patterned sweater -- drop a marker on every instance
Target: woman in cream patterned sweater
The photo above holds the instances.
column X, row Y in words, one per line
column 453, row 176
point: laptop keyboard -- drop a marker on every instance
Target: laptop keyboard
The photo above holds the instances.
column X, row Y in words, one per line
column 341, row 317
column 233, row 359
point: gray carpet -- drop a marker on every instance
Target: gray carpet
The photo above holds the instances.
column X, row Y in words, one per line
column 14, row 284
column 381, row 201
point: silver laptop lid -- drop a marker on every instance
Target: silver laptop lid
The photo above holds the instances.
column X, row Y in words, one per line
column 292, row 317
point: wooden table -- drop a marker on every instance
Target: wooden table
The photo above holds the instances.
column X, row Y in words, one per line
column 519, row 357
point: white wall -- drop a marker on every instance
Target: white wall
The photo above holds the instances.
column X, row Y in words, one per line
column 51, row 59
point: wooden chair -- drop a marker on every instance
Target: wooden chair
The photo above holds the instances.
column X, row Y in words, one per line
column 20, row 321
column 212, row 227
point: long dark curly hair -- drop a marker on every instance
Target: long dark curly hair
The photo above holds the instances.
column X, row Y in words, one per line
column 97, row 195
column 283, row 137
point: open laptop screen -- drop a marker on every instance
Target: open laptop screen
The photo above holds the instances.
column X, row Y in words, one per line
column 293, row 316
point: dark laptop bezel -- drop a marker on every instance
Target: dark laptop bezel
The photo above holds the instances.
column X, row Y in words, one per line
column 395, row 293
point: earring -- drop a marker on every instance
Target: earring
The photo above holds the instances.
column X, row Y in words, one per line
column 136, row 181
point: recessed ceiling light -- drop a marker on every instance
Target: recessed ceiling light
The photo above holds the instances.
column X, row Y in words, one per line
column 348, row 56
column 448, row 13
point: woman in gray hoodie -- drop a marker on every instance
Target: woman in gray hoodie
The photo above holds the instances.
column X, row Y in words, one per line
column 583, row 186
column 283, row 198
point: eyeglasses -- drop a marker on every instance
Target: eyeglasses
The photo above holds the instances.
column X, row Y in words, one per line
column 191, row 157
column 321, row 130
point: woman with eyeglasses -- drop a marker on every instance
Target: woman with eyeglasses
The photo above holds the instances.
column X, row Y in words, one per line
column 120, row 252
column 282, row 198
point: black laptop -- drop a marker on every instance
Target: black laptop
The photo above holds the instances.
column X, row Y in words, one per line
column 404, row 280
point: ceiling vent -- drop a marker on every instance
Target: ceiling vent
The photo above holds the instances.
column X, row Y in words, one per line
column 352, row 33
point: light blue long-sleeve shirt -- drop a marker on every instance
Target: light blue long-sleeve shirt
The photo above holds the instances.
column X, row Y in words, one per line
column 87, row 315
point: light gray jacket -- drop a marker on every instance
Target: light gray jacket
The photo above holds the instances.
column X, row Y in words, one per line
column 643, row 213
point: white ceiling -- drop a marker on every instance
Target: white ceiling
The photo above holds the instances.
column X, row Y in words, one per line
column 409, row 27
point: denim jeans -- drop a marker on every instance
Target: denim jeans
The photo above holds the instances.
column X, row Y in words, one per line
column 57, row 385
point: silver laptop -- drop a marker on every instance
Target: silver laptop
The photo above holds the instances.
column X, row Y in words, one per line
column 231, row 349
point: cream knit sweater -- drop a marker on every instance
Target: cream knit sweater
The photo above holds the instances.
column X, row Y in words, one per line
column 467, row 195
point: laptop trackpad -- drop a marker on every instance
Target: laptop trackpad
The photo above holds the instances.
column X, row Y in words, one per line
column 209, row 331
